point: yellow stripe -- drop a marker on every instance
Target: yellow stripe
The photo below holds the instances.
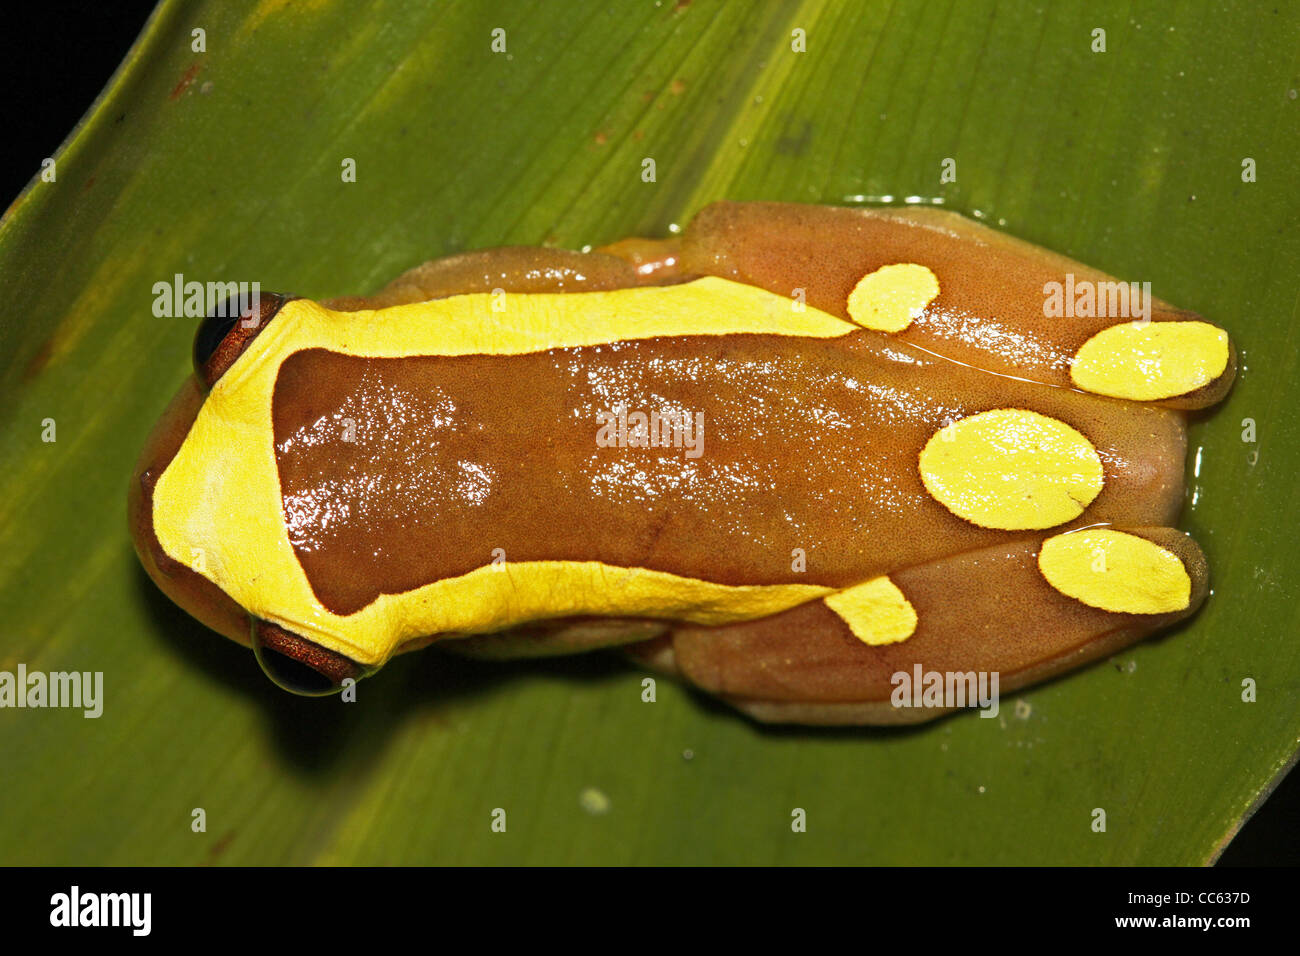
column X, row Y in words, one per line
column 218, row 510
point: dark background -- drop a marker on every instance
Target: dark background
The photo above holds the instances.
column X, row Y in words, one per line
column 54, row 65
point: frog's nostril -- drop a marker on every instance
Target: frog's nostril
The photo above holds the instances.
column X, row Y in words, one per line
column 299, row 665
column 223, row 335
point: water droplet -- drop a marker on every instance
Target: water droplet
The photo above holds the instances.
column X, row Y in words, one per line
column 594, row 801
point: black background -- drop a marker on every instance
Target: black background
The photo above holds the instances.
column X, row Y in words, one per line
column 56, row 57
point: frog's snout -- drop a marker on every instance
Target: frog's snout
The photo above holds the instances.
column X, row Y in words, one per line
column 299, row 665
column 224, row 334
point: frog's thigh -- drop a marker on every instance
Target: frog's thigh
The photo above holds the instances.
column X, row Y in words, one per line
column 1003, row 609
column 659, row 655
column 962, row 290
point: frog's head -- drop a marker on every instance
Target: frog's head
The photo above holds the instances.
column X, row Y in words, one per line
column 292, row 661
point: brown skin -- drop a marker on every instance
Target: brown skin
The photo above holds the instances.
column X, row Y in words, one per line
column 850, row 496
column 982, row 605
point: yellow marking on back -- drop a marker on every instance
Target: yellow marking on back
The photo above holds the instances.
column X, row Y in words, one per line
column 220, row 496
column 888, row 299
column 876, row 611
column 1115, row 571
column 1011, row 469
column 1148, row 361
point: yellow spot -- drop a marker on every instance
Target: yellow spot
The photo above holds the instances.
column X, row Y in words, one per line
column 877, row 612
column 221, row 493
column 1152, row 360
column 1115, row 571
column 888, row 299
column 1011, row 469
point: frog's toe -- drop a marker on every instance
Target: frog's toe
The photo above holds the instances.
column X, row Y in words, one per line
column 656, row 654
column 654, row 259
column 1183, row 364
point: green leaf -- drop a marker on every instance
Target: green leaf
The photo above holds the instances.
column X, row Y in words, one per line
column 225, row 164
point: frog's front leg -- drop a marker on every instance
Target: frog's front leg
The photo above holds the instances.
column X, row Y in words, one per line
column 526, row 269
column 555, row 638
column 1023, row 611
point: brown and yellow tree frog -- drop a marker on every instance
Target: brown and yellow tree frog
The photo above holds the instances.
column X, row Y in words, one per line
column 789, row 455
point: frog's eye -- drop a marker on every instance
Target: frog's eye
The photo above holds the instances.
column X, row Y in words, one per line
column 222, row 336
column 298, row 665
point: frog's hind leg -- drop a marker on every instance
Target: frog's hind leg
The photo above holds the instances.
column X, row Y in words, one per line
column 964, row 291
column 660, row 655
column 1024, row 610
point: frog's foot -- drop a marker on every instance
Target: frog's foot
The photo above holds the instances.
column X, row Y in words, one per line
column 961, row 290
column 1023, row 611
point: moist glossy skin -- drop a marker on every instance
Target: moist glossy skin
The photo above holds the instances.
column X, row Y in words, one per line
column 805, row 556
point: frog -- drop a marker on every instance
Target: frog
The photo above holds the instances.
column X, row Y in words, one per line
column 792, row 455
